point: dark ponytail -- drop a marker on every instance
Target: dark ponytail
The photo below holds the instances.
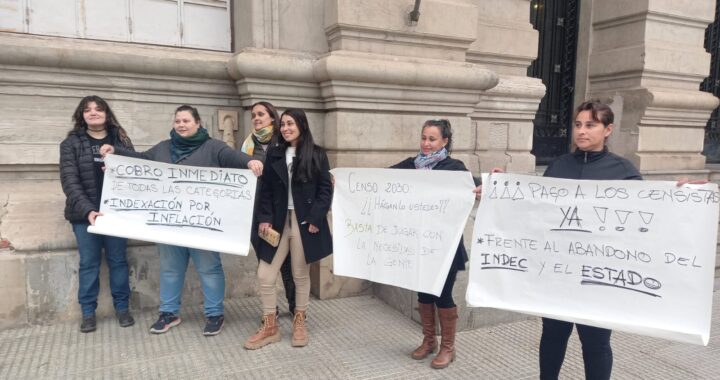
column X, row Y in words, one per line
column 445, row 130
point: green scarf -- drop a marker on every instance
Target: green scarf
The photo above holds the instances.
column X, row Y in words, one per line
column 182, row 147
column 264, row 135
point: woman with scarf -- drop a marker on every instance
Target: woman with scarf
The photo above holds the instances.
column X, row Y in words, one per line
column 266, row 128
column 294, row 201
column 435, row 146
column 190, row 144
column 81, row 176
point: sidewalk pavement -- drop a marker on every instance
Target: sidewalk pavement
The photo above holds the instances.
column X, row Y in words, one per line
column 350, row 338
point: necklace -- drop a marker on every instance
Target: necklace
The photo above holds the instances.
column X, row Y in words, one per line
column 97, row 134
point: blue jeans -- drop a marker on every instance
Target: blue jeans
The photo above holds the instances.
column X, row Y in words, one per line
column 90, row 247
column 173, row 265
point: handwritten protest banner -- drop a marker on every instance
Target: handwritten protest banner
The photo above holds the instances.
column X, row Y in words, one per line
column 196, row 207
column 636, row 256
column 399, row 227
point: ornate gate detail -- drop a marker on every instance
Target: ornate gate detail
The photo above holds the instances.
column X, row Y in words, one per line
column 557, row 23
column 711, row 84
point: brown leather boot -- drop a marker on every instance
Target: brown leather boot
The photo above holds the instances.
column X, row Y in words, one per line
column 269, row 332
column 448, row 324
column 299, row 335
column 429, row 343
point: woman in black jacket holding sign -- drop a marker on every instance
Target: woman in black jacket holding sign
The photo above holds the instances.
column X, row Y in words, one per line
column 295, row 198
column 591, row 160
column 81, row 176
column 435, row 146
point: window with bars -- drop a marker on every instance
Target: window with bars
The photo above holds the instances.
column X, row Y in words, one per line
column 202, row 24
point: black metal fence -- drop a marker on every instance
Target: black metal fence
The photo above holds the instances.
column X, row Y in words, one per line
column 711, row 84
column 557, row 24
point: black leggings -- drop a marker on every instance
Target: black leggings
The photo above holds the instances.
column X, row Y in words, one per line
column 596, row 350
column 445, row 301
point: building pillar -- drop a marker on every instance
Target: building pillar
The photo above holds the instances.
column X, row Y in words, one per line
column 506, row 44
column 368, row 95
column 647, row 59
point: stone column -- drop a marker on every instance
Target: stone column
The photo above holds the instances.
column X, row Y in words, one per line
column 369, row 92
column 647, row 58
column 507, row 44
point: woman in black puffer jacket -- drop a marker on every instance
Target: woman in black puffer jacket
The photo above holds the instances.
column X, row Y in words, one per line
column 81, row 176
column 591, row 160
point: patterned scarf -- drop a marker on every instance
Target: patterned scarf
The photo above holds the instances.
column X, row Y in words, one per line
column 264, row 135
column 428, row 162
column 182, row 147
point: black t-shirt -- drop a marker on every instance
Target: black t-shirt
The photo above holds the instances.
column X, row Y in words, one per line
column 95, row 144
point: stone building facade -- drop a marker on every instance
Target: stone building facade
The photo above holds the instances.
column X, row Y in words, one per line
column 366, row 73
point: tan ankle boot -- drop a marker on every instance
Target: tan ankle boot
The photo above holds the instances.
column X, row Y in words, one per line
column 299, row 335
column 269, row 332
column 448, row 324
column 429, row 343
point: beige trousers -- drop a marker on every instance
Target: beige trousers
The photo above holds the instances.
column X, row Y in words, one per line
column 267, row 273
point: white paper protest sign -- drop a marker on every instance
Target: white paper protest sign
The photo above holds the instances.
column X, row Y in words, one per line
column 188, row 206
column 399, row 227
column 636, row 256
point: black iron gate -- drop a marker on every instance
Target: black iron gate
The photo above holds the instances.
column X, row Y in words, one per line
column 557, row 24
column 711, row 84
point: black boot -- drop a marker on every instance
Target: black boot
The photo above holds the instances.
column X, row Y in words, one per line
column 89, row 324
column 288, row 283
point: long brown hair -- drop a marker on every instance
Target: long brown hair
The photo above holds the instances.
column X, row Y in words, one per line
column 110, row 120
column 273, row 114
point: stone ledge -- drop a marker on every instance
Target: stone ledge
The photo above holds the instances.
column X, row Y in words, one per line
column 41, row 287
column 377, row 40
column 360, row 67
column 79, row 54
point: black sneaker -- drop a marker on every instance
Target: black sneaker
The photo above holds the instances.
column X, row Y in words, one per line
column 124, row 318
column 164, row 323
column 214, row 325
column 89, row 324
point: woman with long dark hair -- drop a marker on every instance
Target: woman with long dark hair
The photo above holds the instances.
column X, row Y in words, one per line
column 435, row 148
column 265, row 133
column 81, row 176
column 190, row 144
column 295, row 198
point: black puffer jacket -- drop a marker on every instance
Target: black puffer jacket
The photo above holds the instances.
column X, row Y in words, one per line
column 77, row 174
column 592, row 165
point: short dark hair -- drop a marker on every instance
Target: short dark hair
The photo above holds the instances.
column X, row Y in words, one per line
column 445, row 130
column 193, row 111
column 599, row 111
